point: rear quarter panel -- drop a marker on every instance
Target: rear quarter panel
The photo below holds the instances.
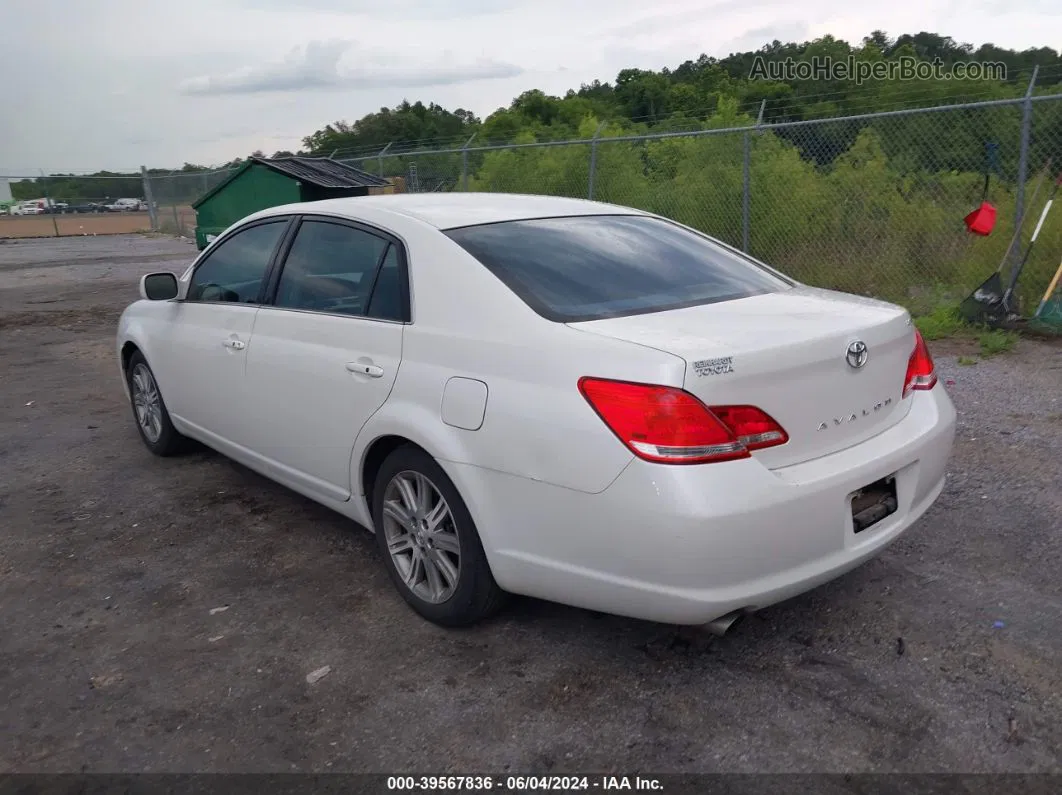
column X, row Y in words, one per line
column 537, row 425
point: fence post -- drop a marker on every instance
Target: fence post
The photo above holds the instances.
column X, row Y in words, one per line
column 177, row 220
column 48, row 204
column 464, row 162
column 1023, row 167
column 746, row 188
column 149, row 197
column 379, row 157
column 593, row 161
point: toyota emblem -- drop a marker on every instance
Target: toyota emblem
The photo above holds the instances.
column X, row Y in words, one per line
column 857, row 354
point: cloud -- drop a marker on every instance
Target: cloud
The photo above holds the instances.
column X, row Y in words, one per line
column 239, row 46
column 1046, row 7
column 437, row 9
column 317, row 66
column 668, row 22
column 313, row 67
column 754, row 39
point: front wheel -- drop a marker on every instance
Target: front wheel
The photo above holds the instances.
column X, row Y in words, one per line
column 429, row 542
column 149, row 409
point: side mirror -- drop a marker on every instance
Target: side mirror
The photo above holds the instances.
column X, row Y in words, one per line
column 158, row 286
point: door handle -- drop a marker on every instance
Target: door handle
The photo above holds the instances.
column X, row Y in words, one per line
column 371, row 370
column 236, row 345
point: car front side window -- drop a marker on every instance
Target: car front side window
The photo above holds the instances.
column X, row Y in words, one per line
column 330, row 268
column 233, row 272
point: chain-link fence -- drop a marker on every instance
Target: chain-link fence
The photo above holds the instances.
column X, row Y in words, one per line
column 871, row 204
column 77, row 204
column 58, row 205
column 171, row 197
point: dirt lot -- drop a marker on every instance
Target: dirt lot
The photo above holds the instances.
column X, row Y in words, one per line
column 162, row 615
column 88, row 224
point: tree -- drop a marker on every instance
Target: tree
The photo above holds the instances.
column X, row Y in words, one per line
column 642, row 95
column 407, row 125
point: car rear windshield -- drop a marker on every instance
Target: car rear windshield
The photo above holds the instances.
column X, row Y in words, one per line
column 590, row 267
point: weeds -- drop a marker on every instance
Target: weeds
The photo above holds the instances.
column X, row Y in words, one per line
column 944, row 321
column 996, row 341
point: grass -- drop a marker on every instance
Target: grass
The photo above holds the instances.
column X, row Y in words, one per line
column 944, row 322
column 966, row 361
column 996, row 341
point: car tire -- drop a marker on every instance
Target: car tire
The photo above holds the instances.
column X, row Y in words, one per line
column 468, row 592
column 149, row 410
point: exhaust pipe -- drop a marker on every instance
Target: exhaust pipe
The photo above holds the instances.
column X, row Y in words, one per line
column 722, row 625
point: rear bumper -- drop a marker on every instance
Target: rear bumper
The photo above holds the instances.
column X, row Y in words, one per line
column 685, row 545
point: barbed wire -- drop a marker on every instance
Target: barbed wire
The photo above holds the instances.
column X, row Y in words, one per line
column 700, row 115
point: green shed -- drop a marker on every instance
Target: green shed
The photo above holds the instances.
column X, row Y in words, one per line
column 262, row 182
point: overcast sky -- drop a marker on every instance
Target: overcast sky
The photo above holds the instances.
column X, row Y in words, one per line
column 91, row 84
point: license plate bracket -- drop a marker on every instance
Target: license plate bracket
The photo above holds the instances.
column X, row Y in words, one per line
column 873, row 502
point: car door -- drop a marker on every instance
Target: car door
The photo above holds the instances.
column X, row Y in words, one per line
column 327, row 347
column 201, row 349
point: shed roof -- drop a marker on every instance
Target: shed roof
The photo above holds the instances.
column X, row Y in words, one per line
column 319, row 171
column 323, row 172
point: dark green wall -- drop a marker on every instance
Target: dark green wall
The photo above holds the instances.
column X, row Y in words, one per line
column 257, row 188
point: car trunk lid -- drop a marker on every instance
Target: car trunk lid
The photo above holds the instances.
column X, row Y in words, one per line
column 787, row 353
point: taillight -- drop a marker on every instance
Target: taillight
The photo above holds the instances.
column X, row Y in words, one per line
column 921, row 372
column 668, row 425
column 752, row 427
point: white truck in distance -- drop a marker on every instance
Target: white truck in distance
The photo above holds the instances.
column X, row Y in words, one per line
column 126, row 206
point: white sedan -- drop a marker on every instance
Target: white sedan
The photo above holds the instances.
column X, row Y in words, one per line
column 565, row 399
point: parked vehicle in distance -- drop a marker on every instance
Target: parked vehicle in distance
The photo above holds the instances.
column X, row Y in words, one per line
column 87, row 207
column 126, row 205
column 552, row 397
column 31, row 207
column 39, row 207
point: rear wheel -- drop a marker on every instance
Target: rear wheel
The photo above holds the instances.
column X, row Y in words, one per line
column 429, row 542
column 149, row 409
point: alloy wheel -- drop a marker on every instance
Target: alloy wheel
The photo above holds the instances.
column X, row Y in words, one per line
column 147, row 402
column 421, row 537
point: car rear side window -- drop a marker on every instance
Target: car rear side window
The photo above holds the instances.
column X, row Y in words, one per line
column 597, row 266
column 330, row 268
column 233, row 271
column 388, row 301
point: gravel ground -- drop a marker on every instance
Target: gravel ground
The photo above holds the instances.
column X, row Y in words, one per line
column 163, row 615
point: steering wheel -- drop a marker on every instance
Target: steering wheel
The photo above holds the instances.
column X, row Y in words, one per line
column 215, row 292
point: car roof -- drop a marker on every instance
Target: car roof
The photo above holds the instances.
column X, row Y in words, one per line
column 451, row 210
